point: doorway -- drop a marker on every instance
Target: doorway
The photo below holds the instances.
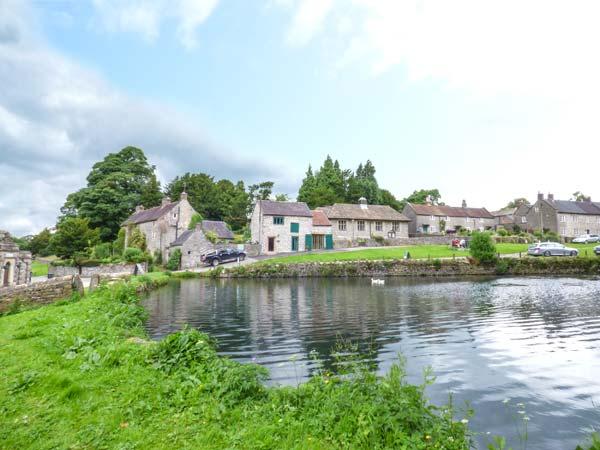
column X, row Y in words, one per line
column 7, row 274
column 271, row 244
column 318, row 241
column 294, row 243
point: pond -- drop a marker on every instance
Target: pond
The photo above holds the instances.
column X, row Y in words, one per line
column 532, row 341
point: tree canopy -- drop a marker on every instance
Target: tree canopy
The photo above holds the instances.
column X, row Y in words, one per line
column 73, row 236
column 115, row 186
column 516, row 203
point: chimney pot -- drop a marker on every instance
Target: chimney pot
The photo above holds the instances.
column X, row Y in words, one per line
column 183, row 196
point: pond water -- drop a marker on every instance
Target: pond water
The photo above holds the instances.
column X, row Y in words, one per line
column 533, row 341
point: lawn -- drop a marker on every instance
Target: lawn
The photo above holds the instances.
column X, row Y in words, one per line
column 416, row 252
column 39, row 269
column 81, row 374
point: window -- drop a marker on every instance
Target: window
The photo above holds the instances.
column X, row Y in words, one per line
column 360, row 225
column 563, row 218
column 396, row 226
column 432, row 217
column 378, row 226
column 342, row 225
column 294, row 227
column 523, row 219
column 277, row 220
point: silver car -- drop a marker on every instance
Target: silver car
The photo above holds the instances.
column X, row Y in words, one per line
column 597, row 250
column 586, row 239
column 551, row 249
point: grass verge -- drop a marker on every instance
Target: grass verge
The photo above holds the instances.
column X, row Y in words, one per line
column 39, row 269
column 81, row 374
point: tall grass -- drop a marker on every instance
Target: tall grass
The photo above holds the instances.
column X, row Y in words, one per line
column 82, row 375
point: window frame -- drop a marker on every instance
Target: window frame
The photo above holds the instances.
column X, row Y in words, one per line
column 378, row 225
column 278, row 220
column 342, row 225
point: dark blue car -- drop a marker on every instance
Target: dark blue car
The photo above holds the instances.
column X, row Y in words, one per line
column 222, row 256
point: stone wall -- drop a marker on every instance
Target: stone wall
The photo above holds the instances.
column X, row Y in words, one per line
column 86, row 272
column 431, row 268
column 40, row 293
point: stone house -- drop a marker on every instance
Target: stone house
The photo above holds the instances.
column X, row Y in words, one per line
column 280, row 227
column 322, row 235
column 15, row 265
column 568, row 218
column 520, row 217
column 194, row 243
column 162, row 224
column 428, row 219
column 505, row 218
column 353, row 222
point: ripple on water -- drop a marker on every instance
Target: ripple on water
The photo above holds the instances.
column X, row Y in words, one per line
column 525, row 340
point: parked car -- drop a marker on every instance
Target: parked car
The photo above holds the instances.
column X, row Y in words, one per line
column 551, row 249
column 597, row 250
column 222, row 256
column 586, row 239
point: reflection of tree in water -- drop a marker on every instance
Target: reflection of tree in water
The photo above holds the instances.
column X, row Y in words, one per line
column 275, row 319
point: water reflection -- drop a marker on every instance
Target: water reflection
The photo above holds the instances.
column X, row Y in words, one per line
column 532, row 340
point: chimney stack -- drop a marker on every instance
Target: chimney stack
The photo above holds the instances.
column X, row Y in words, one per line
column 363, row 203
column 464, row 203
column 550, row 197
column 139, row 208
column 165, row 201
column 183, row 196
column 540, row 196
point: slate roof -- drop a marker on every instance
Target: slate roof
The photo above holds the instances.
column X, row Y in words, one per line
column 504, row 212
column 150, row 215
column 450, row 211
column 296, row 209
column 320, row 219
column 363, row 212
column 573, row 207
column 182, row 238
column 218, row 227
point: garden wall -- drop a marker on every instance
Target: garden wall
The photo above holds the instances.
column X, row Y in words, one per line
column 86, row 272
column 40, row 293
column 430, row 268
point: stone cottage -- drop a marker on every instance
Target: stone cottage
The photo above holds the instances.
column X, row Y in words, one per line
column 351, row 222
column 194, row 243
column 322, row 233
column 434, row 219
column 15, row 265
column 568, row 218
column 162, row 224
column 280, row 227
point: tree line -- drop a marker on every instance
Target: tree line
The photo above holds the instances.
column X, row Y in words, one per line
column 125, row 179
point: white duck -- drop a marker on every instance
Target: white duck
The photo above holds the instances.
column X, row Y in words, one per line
column 376, row 281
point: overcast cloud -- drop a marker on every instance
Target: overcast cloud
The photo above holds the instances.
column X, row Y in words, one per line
column 57, row 119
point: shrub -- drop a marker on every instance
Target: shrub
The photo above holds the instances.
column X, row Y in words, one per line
column 379, row 239
column 174, row 260
column 502, row 232
column 437, row 264
column 137, row 239
column 211, row 236
column 102, row 251
column 158, row 258
column 133, row 255
column 119, row 243
column 482, row 248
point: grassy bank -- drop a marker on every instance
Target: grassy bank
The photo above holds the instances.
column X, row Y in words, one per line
column 416, row 252
column 80, row 374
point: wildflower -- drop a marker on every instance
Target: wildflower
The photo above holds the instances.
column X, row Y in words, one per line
column 465, row 421
column 427, row 437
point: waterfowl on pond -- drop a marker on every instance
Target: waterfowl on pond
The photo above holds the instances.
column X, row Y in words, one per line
column 376, row 281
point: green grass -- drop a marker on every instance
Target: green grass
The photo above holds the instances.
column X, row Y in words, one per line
column 80, row 374
column 39, row 269
column 416, row 252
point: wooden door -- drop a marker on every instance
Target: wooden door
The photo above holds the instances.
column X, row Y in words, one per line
column 271, row 244
column 6, row 280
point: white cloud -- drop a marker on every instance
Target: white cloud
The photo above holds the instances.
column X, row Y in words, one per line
column 57, row 119
column 308, row 20
column 146, row 17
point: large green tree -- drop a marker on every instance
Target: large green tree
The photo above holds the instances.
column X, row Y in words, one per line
column 74, row 236
column 516, row 203
column 39, row 244
column 218, row 200
column 115, row 186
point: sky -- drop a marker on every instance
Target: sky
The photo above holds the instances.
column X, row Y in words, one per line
column 484, row 100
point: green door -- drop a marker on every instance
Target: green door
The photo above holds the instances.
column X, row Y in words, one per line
column 308, row 242
column 329, row 242
column 294, row 243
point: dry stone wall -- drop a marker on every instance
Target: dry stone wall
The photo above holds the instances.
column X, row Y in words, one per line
column 63, row 271
column 40, row 293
